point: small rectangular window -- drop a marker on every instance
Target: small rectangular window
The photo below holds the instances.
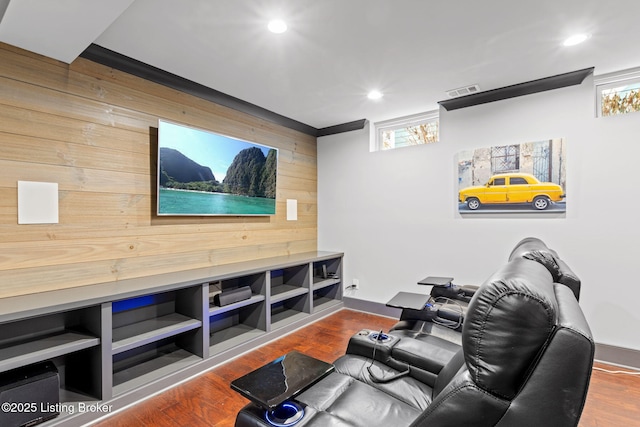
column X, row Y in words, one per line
column 407, row 131
column 618, row 93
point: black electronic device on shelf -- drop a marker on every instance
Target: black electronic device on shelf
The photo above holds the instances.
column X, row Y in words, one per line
column 230, row 296
column 30, row 395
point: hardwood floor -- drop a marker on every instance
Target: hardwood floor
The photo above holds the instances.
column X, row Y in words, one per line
column 613, row 400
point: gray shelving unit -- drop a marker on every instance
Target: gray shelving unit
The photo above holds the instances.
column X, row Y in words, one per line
column 115, row 343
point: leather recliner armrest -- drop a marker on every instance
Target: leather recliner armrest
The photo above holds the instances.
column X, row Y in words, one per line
column 429, row 353
column 362, row 344
column 454, row 292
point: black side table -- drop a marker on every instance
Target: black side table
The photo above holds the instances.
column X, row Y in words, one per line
column 273, row 385
column 409, row 300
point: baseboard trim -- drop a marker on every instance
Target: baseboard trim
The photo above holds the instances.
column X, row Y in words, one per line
column 619, row 356
column 371, row 307
column 610, row 354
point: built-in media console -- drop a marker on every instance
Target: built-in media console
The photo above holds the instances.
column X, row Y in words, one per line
column 115, row 343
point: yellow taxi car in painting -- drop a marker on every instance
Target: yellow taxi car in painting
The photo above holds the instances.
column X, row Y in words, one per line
column 508, row 188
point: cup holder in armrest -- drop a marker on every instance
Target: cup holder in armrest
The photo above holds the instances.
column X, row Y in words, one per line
column 366, row 341
column 285, row 415
column 380, row 337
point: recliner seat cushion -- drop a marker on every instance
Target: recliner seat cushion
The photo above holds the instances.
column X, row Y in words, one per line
column 342, row 400
column 430, row 353
column 406, row 389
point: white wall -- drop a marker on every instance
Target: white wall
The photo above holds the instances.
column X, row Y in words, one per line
column 394, row 214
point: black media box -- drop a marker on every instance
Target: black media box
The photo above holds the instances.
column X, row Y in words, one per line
column 232, row 295
column 29, row 395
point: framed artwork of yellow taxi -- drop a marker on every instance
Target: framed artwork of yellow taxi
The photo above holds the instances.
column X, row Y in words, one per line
column 526, row 177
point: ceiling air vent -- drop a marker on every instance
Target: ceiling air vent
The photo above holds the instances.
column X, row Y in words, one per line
column 461, row 91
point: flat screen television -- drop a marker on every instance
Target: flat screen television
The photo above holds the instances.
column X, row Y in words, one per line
column 203, row 173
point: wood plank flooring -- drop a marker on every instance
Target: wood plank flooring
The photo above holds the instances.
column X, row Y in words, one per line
column 613, row 400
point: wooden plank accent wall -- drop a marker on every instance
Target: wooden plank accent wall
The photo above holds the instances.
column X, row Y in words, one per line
column 93, row 130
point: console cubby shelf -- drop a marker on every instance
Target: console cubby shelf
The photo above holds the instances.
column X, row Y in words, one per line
column 323, row 283
column 236, row 323
column 164, row 363
column 242, row 321
column 326, row 287
column 44, row 348
column 326, row 296
column 70, row 339
column 232, row 337
column 141, row 333
column 286, row 317
column 285, row 292
column 115, row 343
column 155, row 335
column 214, row 310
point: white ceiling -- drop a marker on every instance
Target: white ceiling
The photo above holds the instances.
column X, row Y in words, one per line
column 335, row 51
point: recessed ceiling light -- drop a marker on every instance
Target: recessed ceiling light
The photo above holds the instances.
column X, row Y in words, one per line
column 277, row 26
column 576, row 39
column 374, row 94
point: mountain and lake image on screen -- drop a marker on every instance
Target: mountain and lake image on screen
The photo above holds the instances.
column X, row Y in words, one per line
column 204, row 173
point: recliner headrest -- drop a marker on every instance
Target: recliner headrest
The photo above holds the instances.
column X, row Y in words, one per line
column 528, row 244
column 536, row 250
column 509, row 321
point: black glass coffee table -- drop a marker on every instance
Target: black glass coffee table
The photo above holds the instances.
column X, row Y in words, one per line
column 274, row 384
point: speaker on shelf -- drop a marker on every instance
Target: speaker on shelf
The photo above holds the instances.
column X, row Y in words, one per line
column 232, row 295
column 29, row 395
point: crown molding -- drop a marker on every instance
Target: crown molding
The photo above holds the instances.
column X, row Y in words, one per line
column 132, row 66
column 520, row 89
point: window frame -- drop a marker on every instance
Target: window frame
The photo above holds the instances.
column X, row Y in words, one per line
column 401, row 123
column 610, row 81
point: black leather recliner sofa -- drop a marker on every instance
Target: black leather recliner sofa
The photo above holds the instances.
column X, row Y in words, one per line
column 525, row 360
column 421, row 324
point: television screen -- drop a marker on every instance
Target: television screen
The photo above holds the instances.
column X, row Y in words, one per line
column 205, row 173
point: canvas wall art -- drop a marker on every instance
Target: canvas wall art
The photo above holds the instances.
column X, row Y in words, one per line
column 526, row 177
